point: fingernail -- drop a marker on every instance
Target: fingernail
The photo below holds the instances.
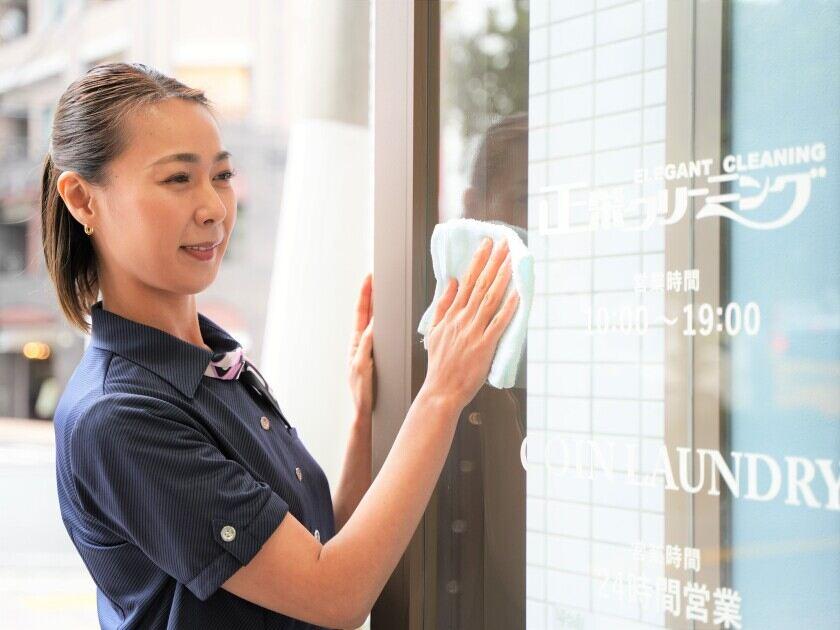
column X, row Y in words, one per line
column 485, row 241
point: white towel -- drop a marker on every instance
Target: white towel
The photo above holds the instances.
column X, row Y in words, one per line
column 453, row 246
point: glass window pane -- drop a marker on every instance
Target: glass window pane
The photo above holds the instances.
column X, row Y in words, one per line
column 671, row 168
column 478, row 555
column 785, row 399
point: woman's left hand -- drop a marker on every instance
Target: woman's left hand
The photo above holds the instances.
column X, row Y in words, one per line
column 361, row 351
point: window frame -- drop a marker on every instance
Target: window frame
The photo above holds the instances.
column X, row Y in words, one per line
column 693, row 410
column 405, row 96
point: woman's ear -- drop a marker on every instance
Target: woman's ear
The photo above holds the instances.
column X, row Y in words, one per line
column 77, row 196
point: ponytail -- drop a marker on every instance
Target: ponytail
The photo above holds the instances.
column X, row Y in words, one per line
column 68, row 252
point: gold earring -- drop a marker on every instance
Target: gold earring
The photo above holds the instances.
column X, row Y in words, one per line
column 88, row 230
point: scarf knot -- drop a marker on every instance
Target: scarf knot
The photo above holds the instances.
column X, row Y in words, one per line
column 226, row 365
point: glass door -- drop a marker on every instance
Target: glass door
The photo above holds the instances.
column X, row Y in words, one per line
column 668, row 456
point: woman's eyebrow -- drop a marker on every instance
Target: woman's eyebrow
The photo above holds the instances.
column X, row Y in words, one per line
column 188, row 157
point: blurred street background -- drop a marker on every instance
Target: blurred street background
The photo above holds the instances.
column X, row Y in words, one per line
column 290, row 83
column 43, row 582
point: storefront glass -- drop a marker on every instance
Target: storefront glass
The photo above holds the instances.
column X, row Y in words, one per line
column 669, row 456
column 785, row 380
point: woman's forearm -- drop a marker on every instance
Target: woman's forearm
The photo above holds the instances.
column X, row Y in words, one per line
column 355, row 470
column 367, row 549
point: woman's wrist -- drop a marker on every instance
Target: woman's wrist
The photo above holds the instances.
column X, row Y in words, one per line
column 361, row 417
column 434, row 397
column 440, row 400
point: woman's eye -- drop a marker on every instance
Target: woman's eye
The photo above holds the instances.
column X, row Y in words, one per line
column 228, row 175
column 182, row 178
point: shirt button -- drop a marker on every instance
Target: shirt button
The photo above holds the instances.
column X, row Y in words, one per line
column 265, row 422
column 299, row 473
column 474, row 417
column 228, row 533
column 317, row 535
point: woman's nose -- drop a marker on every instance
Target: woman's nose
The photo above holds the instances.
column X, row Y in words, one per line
column 213, row 207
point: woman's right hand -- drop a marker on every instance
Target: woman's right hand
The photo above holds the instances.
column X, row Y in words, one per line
column 466, row 327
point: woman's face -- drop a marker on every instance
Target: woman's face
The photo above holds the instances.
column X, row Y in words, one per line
column 506, row 198
column 170, row 187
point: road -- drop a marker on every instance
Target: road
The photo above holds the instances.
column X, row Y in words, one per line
column 43, row 582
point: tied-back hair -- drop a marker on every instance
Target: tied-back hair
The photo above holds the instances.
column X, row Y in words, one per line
column 494, row 150
column 87, row 134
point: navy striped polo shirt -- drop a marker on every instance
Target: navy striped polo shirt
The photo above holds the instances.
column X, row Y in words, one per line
column 170, row 480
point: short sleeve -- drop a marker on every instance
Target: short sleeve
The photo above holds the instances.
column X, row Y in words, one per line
column 150, row 473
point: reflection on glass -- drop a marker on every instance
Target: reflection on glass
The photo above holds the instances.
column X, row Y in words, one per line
column 479, row 557
column 706, row 287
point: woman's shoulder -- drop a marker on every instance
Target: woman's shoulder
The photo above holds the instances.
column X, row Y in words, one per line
column 106, row 412
column 117, row 381
column 135, row 403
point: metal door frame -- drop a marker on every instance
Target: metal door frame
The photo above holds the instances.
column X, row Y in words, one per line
column 405, row 97
column 693, row 412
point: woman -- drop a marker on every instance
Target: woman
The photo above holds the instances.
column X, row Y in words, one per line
column 172, row 485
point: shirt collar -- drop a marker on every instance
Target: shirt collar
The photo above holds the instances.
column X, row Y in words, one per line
column 179, row 362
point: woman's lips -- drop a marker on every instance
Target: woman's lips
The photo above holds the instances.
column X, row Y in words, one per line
column 206, row 254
